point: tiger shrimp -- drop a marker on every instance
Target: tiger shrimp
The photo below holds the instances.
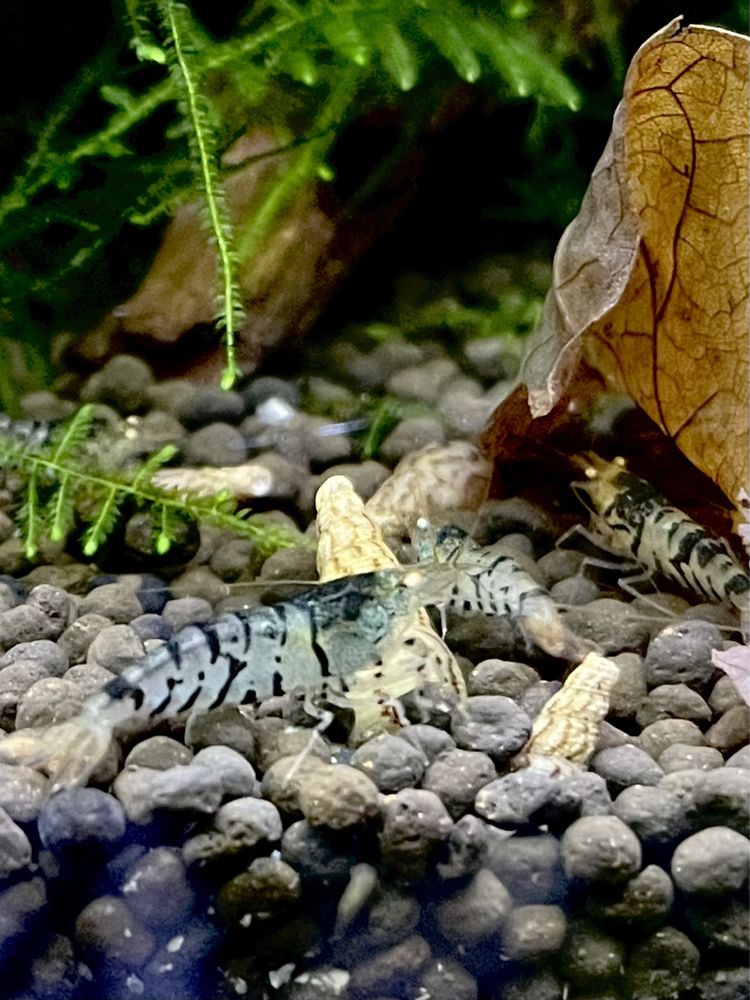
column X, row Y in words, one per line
column 469, row 578
column 316, row 641
column 637, row 522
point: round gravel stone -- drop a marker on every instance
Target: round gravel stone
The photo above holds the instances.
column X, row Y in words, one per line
column 237, row 827
column 610, row 625
column 600, row 849
column 491, row 724
column 392, row 917
column 724, row 695
column 681, row 654
column 444, row 979
column 82, row 819
column 184, row 789
column 465, row 849
column 720, row 925
column 680, row 757
column 541, row 985
column 78, row 636
column 217, row 444
column 415, row 822
column 456, row 777
column 654, row 814
column 115, row 648
column 184, row 611
column 663, row 966
column 268, row 885
column 49, row 701
column 626, row 765
column 515, row 799
column 55, row 972
column 534, row 698
column 225, row 726
column 22, row 791
column 339, row 797
column 392, row 972
column 108, row 931
column 430, row 740
column 740, row 759
column 49, row 654
column 158, row 753
column 592, row 957
column 116, row 601
column 673, row 701
column 25, row 623
column 659, row 735
column 501, row 677
column 630, row 688
column 390, row 762
column 712, row 861
column 646, row 899
column 156, row 889
column 731, row 731
column 476, row 911
column 574, row 591
column 236, row 775
column 722, row 798
column 15, row 849
column 316, row 853
column 528, row 866
column 723, row 984
column 57, row 605
column 15, row 681
column 410, row 435
column 532, row 933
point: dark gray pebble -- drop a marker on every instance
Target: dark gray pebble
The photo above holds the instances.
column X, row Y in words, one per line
column 21, row 906
column 540, row 984
column 654, row 814
column 723, row 984
column 483, row 637
column 722, row 798
column 720, row 927
column 392, row 917
column 390, row 972
column 503, row 677
column 53, row 657
column 55, row 973
column 415, row 822
column 528, row 866
column 115, row 648
column 630, row 687
column 15, row 849
column 609, row 624
column 681, row 654
column 235, row 774
column 655, row 739
column 156, row 889
column 237, row 827
column 515, row 514
column 592, row 958
column 226, row 726
column 740, row 759
column 475, row 911
column 316, row 853
column 183, row 611
column 731, row 730
column 534, row 932
column 81, row 818
column 341, row 797
column 56, row 604
column 76, row 639
column 680, row 757
column 267, row 885
column 465, row 849
column 724, row 695
column 410, row 435
column 152, row 626
column 558, row 564
column 574, row 591
column 673, row 701
column 24, row 624
column 600, row 849
column 430, row 740
column 712, row 862
column 663, row 966
column 584, row 794
column 159, row 753
column 238, row 559
column 444, row 979
column 213, row 404
column 432, row 704
column 626, row 765
column 492, row 724
column 267, row 386
column 116, row 601
column 535, row 697
column 645, row 899
column 390, row 762
column 22, row 792
column 456, row 776
column 123, row 383
column 108, row 931
column 216, row 444
column 515, row 799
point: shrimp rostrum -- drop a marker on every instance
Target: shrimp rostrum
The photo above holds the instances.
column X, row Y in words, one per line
column 634, row 520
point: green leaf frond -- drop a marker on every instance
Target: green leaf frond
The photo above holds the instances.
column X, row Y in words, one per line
column 61, row 484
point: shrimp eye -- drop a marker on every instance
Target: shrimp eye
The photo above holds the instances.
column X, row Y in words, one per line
column 591, row 472
column 619, row 460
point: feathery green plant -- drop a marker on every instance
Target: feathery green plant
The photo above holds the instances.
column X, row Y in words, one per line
column 305, row 68
column 62, row 483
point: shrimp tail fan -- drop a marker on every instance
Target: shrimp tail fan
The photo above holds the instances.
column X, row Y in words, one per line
column 69, row 752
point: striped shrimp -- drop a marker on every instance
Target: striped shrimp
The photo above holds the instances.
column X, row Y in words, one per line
column 470, row 578
column 317, row 641
column 633, row 519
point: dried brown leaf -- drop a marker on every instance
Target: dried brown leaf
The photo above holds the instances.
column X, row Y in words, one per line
column 651, row 278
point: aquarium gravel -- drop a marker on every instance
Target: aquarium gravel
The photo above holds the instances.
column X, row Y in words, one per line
column 206, row 862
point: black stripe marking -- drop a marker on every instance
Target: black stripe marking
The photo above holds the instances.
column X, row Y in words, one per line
column 212, row 641
column 278, row 687
column 161, row 706
column 320, row 653
column 174, row 649
column 191, row 700
column 118, row 687
column 250, row 697
column 706, row 550
column 281, row 612
column 737, row 584
column 234, row 667
column 685, row 548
